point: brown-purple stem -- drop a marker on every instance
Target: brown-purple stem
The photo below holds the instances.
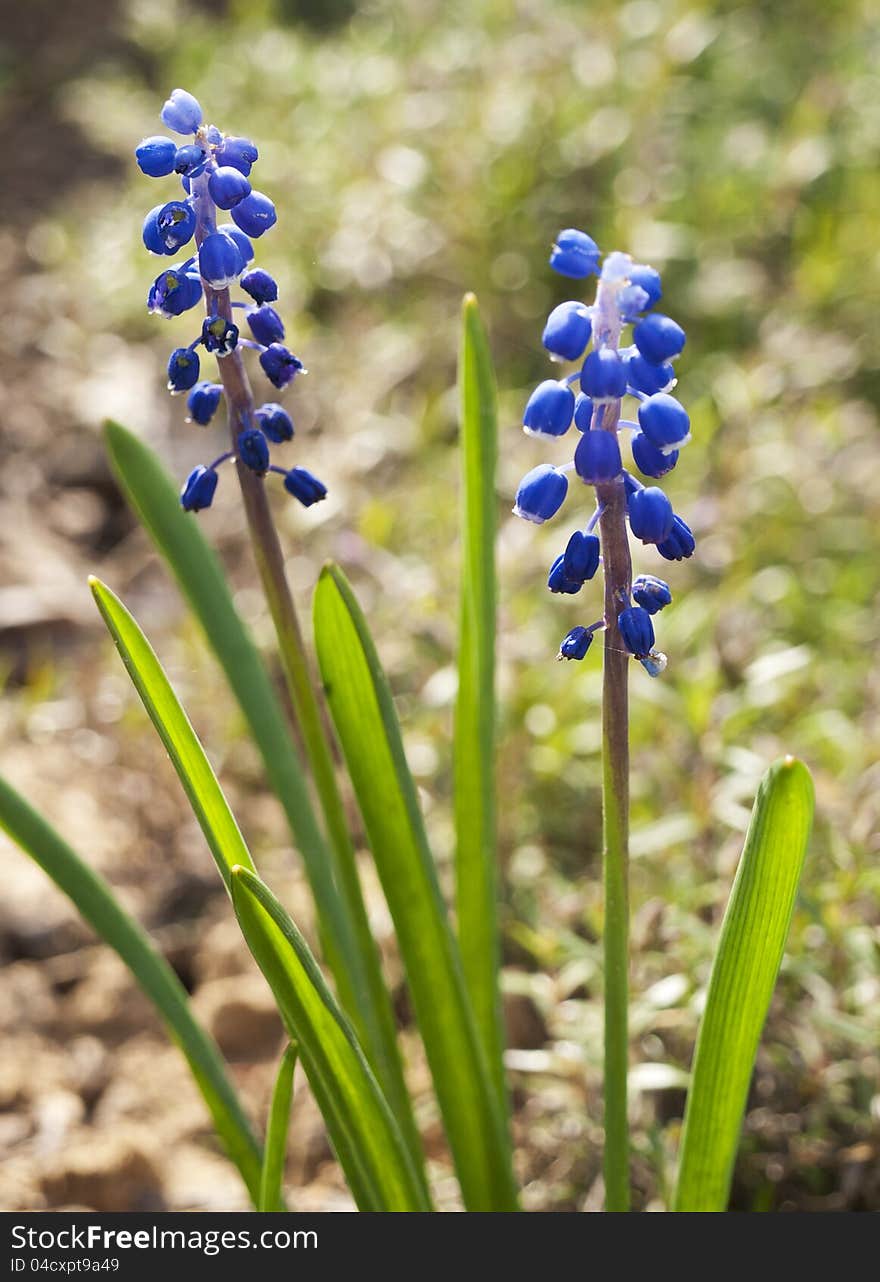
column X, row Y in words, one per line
column 617, row 564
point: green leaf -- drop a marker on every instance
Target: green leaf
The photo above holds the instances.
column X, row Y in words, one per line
column 181, row 742
column 96, row 902
column 363, row 712
column 276, row 1134
column 474, row 754
column 750, row 949
column 367, row 1140
column 344, row 927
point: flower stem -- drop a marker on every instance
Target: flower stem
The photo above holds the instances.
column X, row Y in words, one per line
column 615, row 790
column 615, row 833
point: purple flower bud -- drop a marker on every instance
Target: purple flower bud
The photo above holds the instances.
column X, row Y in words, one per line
column 648, row 279
column 559, row 581
column 658, row 337
column 265, row 324
column 575, row 254
column 567, row 331
column 255, row 214
column 679, row 544
column 665, row 422
column 245, row 248
column 198, row 489
column 155, row 156
column 650, row 515
column 167, row 228
column 228, row 186
column 549, row 409
column 581, row 556
column 174, row 292
column 636, row 631
column 648, row 459
column 275, row 422
column 304, row 486
column 260, row 285
column 597, row 457
column 239, row 153
column 219, row 260
column 645, row 377
column 583, row 413
column 190, row 160
column 219, row 335
column 183, row 369
column 541, row 494
column 182, row 112
column 253, row 450
column 151, row 235
column 603, row 377
column 280, row 365
column 651, row 593
column 575, row 643
column 202, row 402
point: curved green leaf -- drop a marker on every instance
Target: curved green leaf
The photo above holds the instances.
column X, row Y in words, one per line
column 474, row 755
column 276, row 1134
column 363, row 712
column 96, row 902
column 750, row 949
column 181, row 742
column 365, row 1136
column 346, row 939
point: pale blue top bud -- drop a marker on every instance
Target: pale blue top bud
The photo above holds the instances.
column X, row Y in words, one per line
column 182, row 112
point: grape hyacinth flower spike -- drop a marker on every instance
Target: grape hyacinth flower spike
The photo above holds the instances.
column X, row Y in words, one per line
column 215, row 171
column 608, row 372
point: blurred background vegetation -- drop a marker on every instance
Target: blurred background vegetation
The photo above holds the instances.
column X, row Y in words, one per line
column 416, row 150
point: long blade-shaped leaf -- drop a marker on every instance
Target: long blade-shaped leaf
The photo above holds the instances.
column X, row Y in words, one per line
column 181, row 742
column 276, row 1133
column 96, row 902
column 363, row 712
column 362, row 1128
column 744, row 972
column 475, row 866
column 346, row 939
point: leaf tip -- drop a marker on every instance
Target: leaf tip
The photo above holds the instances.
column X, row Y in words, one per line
column 793, row 769
column 115, row 435
column 238, row 885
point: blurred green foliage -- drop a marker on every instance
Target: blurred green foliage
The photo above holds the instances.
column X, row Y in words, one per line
column 422, row 148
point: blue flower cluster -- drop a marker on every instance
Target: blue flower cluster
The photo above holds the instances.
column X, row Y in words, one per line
column 626, row 295
column 214, row 171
